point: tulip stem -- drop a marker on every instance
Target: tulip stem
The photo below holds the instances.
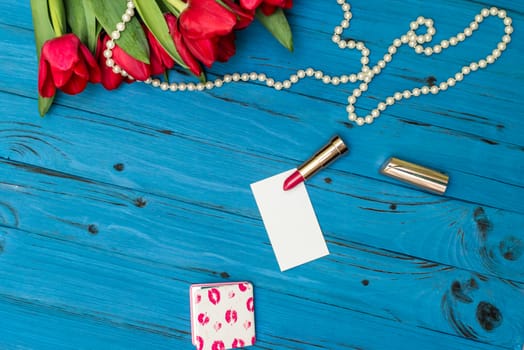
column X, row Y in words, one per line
column 178, row 4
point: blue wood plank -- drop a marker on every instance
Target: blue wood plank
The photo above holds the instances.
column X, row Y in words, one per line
column 117, row 201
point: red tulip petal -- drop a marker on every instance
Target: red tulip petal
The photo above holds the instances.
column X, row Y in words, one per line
column 244, row 16
column 74, row 86
column 46, row 88
column 160, row 59
column 94, row 71
column 226, row 47
column 204, row 19
column 267, row 10
column 109, row 80
column 137, row 69
column 204, row 50
column 181, row 47
column 61, row 52
column 250, row 4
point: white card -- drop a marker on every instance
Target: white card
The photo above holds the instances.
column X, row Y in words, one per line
column 290, row 221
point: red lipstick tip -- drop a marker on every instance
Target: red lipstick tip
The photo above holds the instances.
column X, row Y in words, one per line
column 293, row 180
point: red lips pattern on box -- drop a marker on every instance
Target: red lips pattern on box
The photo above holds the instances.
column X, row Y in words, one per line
column 222, row 315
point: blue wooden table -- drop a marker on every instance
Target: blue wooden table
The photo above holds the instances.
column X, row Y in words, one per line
column 115, row 202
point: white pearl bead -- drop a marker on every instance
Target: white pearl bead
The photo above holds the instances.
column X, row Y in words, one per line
column 335, row 39
column 345, row 7
column 485, row 12
column 235, row 77
column 244, row 77
column 218, row 83
column 397, row 96
column 357, row 93
column 363, row 87
column 483, row 63
column 227, row 78
column 164, row 86
column 262, row 77
column 335, row 81
column 506, row 39
column 353, row 78
column 253, row 75
column 339, row 30
column 173, row 87
column 345, row 23
column 350, row 108
column 444, row 44
column 130, row 5
column 270, row 82
column 437, row 49
column 390, row 101
column 415, row 92
column 453, row 41
column 493, row 11
column 209, row 85
column 130, row 12
column 155, row 83
column 406, row 94
column 352, row 117
column 508, row 21
column 459, row 77
column 434, row 89
column 424, row 90
column 278, row 85
column 451, row 82
column 342, row 44
column 120, row 26
column 490, row 59
column 319, row 74
column 293, row 78
column 352, row 99
column 108, row 53
column 443, row 86
column 508, row 29
column 360, row 121
column 382, row 106
column 191, row 86
column 369, row 119
column 344, row 79
column 126, row 18
column 110, row 63
column 115, row 35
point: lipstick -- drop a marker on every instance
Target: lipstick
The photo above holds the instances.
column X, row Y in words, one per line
column 319, row 160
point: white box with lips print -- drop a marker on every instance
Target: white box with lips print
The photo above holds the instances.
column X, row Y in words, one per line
column 222, row 315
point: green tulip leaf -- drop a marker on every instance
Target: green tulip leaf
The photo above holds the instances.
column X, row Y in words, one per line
column 58, row 16
column 132, row 40
column 278, row 26
column 82, row 20
column 153, row 18
column 43, row 32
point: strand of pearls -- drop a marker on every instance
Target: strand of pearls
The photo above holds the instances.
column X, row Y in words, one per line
column 366, row 74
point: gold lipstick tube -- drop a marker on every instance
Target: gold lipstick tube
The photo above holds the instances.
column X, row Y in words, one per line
column 322, row 158
column 417, row 175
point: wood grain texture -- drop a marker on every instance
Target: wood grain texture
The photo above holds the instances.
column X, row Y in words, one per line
column 114, row 203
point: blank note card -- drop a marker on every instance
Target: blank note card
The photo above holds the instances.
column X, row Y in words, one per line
column 290, row 221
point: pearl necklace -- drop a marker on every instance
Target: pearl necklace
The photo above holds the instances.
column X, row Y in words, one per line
column 367, row 73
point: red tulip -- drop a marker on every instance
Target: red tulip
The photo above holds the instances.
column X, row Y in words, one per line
column 135, row 68
column 181, row 47
column 268, row 7
column 66, row 64
column 205, row 25
column 244, row 16
column 109, row 79
column 159, row 59
column 205, row 19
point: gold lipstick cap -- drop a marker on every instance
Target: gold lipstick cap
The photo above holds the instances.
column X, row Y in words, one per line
column 422, row 177
column 323, row 157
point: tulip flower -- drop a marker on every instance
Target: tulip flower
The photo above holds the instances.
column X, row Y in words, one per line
column 204, row 25
column 183, row 50
column 135, row 68
column 268, row 7
column 244, row 16
column 109, row 79
column 159, row 60
column 66, row 64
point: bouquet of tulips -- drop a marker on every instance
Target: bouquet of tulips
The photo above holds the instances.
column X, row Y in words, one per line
column 72, row 35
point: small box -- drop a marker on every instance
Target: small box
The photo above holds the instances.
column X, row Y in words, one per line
column 222, row 315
